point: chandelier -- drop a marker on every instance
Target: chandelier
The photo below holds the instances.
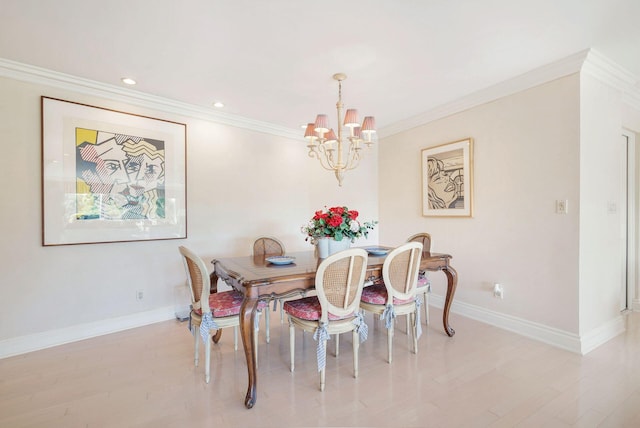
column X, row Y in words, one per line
column 331, row 150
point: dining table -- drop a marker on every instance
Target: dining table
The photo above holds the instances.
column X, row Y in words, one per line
column 262, row 281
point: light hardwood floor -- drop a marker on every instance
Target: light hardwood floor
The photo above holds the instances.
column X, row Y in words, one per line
column 482, row 377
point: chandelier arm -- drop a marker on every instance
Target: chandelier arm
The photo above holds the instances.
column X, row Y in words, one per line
column 330, row 161
column 324, row 158
column 354, row 159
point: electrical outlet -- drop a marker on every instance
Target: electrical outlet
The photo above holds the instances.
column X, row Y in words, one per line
column 498, row 291
column 562, row 206
column 139, row 294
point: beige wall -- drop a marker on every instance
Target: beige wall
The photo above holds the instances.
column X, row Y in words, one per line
column 526, row 154
column 241, row 184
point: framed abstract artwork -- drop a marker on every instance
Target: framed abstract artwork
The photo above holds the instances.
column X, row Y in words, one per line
column 447, row 179
column 110, row 176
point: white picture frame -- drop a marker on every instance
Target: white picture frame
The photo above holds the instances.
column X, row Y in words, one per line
column 110, row 176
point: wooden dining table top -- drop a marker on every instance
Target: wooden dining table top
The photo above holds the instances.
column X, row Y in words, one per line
column 257, row 270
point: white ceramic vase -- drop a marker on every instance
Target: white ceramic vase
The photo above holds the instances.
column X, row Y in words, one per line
column 322, row 245
column 329, row 246
column 336, row 246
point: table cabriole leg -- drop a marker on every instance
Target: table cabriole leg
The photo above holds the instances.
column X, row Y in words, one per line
column 247, row 313
column 452, row 283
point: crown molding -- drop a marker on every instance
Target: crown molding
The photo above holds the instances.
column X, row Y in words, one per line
column 612, row 74
column 538, row 76
column 588, row 61
column 38, row 75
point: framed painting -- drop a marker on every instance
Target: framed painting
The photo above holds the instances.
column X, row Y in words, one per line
column 110, row 176
column 447, row 180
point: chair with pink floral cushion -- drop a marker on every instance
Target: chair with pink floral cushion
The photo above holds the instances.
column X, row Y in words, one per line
column 424, row 283
column 338, row 282
column 222, row 311
column 397, row 295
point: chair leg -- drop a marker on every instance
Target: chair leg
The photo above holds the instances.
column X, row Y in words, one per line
column 337, row 344
column 196, row 346
column 356, row 347
column 235, row 338
column 390, row 341
column 207, row 362
column 267, row 324
column 292, row 344
column 281, row 311
column 414, row 331
column 426, row 308
column 322, row 372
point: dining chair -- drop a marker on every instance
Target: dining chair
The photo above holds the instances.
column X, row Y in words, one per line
column 266, row 246
column 222, row 311
column 334, row 310
column 397, row 294
column 424, row 283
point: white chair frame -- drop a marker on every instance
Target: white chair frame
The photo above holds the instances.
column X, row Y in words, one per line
column 334, row 326
column 196, row 318
column 408, row 293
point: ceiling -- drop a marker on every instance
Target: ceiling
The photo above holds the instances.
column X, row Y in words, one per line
column 273, row 61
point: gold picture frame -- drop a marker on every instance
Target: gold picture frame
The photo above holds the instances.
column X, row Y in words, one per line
column 447, row 180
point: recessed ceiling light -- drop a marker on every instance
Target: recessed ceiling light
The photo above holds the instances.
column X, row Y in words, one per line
column 218, row 104
column 128, row 81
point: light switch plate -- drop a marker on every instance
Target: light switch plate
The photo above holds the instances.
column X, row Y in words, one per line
column 562, row 206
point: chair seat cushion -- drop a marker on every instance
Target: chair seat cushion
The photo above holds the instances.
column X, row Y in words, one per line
column 226, row 304
column 307, row 308
column 377, row 295
column 423, row 282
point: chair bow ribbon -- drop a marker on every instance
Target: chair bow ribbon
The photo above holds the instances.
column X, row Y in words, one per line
column 321, row 335
column 418, row 323
column 361, row 327
column 388, row 315
column 206, row 325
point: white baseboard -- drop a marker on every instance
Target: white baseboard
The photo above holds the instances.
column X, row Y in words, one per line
column 48, row 339
column 635, row 305
column 552, row 336
column 600, row 335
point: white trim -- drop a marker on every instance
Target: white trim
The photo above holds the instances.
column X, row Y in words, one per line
column 48, row 339
column 552, row 336
column 602, row 68
column 588, row 61
column 564, row 67
column 602, row 334
column 605, row 70
column 549, row 335
column 631, row 262
column 33, row 74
